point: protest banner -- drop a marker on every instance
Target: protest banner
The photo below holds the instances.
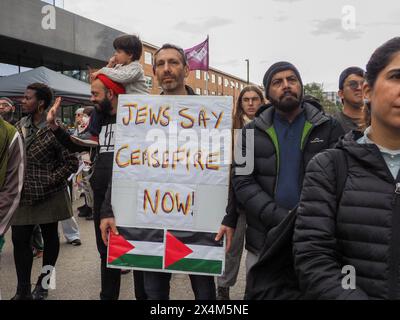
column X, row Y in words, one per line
column 170, row 183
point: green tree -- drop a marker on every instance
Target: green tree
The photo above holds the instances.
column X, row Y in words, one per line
column 317, row 91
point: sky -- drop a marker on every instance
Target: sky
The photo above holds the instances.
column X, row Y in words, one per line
column 320, row 37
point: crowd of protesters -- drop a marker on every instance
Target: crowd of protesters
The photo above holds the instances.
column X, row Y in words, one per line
column 323, row 193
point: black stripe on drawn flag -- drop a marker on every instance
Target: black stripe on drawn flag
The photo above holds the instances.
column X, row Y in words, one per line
column 142, row 234
column 197, row 237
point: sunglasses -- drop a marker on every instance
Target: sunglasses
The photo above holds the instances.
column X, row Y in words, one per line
column 353, row 84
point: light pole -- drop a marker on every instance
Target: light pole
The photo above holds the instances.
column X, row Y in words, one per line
column 248, row 71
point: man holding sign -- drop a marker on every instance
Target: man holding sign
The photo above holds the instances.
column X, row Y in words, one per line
column 105, row 98
column 161, row 226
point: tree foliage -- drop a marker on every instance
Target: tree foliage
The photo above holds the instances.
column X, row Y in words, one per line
column 317, row 91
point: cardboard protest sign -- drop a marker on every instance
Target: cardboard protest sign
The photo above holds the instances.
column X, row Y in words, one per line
column 170, row 182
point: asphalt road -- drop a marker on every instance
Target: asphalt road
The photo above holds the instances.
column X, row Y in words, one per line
column 78, row 272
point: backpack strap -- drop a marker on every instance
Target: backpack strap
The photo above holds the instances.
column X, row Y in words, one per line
column 341, row 170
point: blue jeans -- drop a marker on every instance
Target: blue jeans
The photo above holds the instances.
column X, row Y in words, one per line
column 70, row 229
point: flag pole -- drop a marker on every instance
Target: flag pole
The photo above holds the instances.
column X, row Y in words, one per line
column 208, row 60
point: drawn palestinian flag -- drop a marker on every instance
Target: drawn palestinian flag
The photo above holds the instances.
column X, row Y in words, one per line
column 194, row 252
column 136, row 248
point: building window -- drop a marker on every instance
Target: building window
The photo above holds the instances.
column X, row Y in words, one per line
column 198, row 91
column 237, row 85
column 226, row 82
column 213, row 93
column 198, row 74
column 219, row 81
column 206, row 77
column 241, row 86
column 148, row 58
column 205, row 92
column 213, row 78
column 149, row 82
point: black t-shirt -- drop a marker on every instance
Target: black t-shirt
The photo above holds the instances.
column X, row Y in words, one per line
column 103, row 165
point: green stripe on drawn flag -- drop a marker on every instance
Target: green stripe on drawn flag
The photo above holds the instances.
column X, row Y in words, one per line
column 136, row 248
column 194, row 252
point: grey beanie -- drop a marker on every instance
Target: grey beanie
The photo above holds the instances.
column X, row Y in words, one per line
column 274, row 69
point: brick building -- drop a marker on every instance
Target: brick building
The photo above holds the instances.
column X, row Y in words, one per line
column 213, row 82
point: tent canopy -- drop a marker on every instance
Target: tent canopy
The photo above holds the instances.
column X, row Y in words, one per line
column 70, row 89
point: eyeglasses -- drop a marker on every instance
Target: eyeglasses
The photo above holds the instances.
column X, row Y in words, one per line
column 353, row 84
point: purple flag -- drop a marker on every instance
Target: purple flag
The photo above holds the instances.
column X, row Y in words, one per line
column 198, row 56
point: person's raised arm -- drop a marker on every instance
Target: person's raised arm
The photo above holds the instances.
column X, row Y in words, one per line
column 61, row 135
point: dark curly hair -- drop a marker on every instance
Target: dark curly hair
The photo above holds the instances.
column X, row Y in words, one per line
column 130, row 44
column 42, row 92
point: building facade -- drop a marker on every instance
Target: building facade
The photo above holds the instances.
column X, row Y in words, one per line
column 34, row 33
column 209, row 83
column 332, row 96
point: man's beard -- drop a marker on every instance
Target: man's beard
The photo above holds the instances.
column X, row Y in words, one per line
column 287, row 102
column 7, row 116
column 104, row 106
column 171, row 85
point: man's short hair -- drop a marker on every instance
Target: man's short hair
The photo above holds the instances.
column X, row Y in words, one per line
column 130, row 44
column 171, row 46
column 42, row 92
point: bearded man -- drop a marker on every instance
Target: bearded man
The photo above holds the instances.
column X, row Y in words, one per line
column 287, row 134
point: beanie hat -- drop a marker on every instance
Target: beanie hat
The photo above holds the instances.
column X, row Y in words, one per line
column 8, row 100
column 274, row 69
column 116, row 87
column 349, row 71
column 79, row 111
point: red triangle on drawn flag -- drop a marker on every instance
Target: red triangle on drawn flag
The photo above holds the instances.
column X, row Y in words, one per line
column 175, row 250
column 117, row 247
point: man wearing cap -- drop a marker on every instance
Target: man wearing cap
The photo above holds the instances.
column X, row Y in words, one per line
column 287, row 134
column 351, row 82
column 105, row 98
column 171, row 69
column 7, row 110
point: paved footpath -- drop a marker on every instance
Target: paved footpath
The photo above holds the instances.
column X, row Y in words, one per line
column 78, row 272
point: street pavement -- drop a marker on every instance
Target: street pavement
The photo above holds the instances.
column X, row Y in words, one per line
column 78, row 272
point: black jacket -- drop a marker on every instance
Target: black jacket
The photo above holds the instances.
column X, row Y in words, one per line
column 362, row 231
column 255, row 191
